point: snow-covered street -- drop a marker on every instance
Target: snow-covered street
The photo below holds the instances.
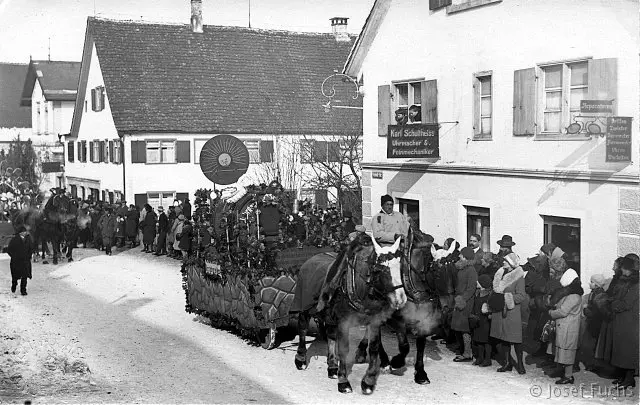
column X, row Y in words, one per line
column 113, row 329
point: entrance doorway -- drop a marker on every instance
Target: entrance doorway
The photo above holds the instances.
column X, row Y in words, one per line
column 410, row 209
column 164, row 199
column 479, row 222
column 565, row 234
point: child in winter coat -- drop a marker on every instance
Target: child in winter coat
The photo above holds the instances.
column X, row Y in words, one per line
column 480, row 322
column 594, row 313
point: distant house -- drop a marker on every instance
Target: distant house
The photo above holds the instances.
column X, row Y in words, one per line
column 49, row 90
column 14, row 119
column 151, row 95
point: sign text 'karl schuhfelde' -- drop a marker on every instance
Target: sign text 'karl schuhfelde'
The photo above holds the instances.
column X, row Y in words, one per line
column 413, row 141
column 618, row 139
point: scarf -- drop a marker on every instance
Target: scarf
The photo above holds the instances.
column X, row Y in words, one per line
column 501, row 280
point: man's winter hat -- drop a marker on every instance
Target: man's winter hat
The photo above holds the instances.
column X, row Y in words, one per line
column 568, row 277
column 599, row 280
column 485, row 281
column 160, row 209
column 385, row 198
column 181, row 217
column 467, row 253
column 21, row 228
column 506, row 241
column 512, row 259
column 548, row 248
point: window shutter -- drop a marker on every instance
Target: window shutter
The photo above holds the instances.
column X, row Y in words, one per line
column 322, row 198
column 524, row 102
column 334, row 152
column 70, row 151
column 111, row 157
column 79, row 151
column 603, row 80
column 476, row 106
column 140, row 199
column 436, row 4
column 91, row 157
column 138, row 152
column 84, row 151
column 266, row 151
column 384, row 109
column 320, row 151
column 93, row 100
column 183, row 154
column 101, row 157
column 429, row 101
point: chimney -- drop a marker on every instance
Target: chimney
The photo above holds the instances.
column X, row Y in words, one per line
column 339, row 28
column 196, row 16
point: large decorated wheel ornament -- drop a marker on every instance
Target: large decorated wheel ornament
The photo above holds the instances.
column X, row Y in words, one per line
column 224, row 159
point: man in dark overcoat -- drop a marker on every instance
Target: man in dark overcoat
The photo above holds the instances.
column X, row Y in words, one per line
column 20, row 249
column 163, row 228
column 465, row 288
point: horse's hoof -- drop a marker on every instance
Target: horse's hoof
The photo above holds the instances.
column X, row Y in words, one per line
column 386, row 369
column 366, row 388
column 55, row 262
column 69, row 260
column 45, row 262
column 332, row 373
column 397, row 362
column 300, row 364
column 421, row 377
column 345, row 388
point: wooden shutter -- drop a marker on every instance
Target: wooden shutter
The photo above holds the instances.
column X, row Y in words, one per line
column 91, row 157
column 429, row 101
column 436, row 4
column 84, row 151
column 182, row 152
column 266, row 151
column 138, row 152
column 320, row 151
column 93, row 100
column 384, row 109
column 79, row 151
column 603, row 81
column 524, row 102
column 334, row 152
column 476, row 106
column 70, row 151
column 111, row 157
column 140, row 199
column 322, row 198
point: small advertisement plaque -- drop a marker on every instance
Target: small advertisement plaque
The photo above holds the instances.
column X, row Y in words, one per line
column 596, row 106
column 618, row 139
column 413, row 141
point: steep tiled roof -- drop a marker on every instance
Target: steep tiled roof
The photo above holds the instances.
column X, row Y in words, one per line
column 11, row 80
column 165, row 78
column 58, row 80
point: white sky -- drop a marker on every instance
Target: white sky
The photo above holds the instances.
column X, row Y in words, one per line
column 27, row 25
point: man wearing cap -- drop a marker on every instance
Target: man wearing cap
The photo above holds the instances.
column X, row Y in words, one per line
column 348, row 225
column 388, row 225
column 163, row 228
column 19, row 250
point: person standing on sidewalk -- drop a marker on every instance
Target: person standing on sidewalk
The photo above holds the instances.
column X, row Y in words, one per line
column 19, row 250
column 163, row 228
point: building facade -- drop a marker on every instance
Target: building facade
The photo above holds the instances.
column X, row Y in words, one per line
column 151, row 95
column 521, row 94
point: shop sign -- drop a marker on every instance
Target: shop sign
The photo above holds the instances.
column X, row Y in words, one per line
column 413, row 141
column 618, row 139
column 596, row 106
column 376, row 175
column 51, row 167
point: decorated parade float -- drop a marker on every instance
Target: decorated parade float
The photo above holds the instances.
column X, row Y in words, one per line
column 248, row 245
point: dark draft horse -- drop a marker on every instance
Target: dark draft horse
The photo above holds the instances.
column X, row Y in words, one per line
column 363, row 286
column 55, row 224
column 421, row 314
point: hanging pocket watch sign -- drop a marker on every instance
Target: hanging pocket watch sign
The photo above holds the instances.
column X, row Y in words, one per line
column 415, row 141
column 224, row 159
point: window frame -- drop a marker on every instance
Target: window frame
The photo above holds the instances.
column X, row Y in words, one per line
column 255, row 158
column 160, row 142
column 116, row 151
column 411, row 95
column 565, row 99
column 477, row 105
column 96, row 151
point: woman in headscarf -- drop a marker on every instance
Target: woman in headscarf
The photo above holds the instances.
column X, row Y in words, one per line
column 566, row 308
column 506, row 322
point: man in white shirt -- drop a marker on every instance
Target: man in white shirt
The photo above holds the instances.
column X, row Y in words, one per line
column 388, row 225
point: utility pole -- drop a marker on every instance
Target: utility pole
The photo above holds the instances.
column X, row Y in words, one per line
column 249, row 13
